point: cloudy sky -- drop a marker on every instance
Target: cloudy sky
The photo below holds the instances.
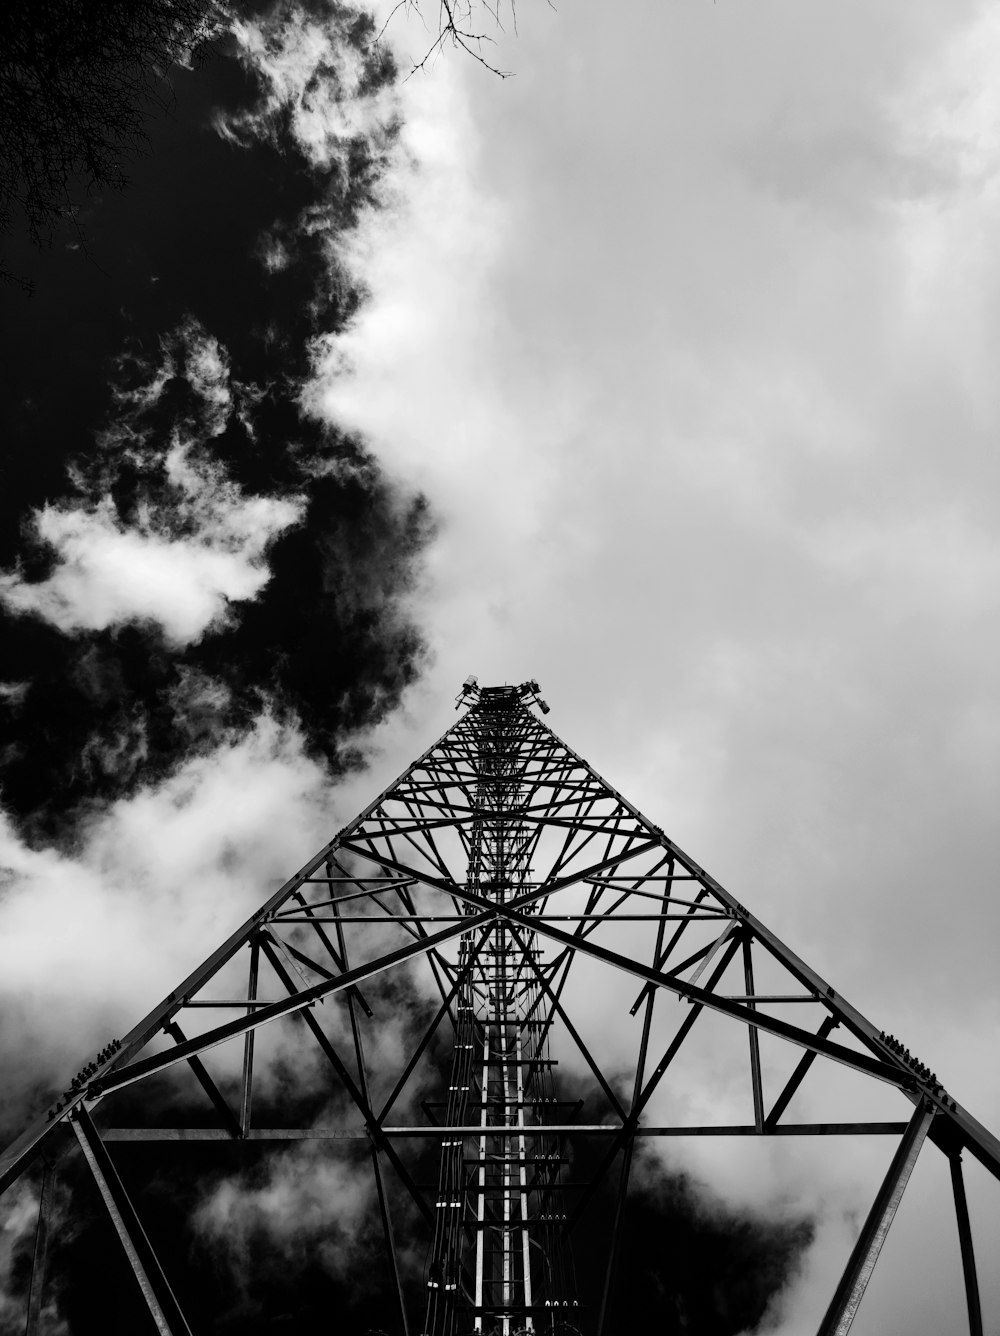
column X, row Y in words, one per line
column 660, row 371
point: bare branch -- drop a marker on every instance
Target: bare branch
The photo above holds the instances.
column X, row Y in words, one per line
column 459, row 25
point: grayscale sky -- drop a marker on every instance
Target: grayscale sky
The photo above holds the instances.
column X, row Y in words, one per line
column 688, row 333
column 689, row 329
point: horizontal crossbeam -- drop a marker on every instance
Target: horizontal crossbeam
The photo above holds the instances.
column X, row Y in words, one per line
column 513, row 1132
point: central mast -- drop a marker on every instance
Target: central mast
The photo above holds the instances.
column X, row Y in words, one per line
column 498, row 1263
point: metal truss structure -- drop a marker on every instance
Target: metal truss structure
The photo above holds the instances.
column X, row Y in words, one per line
column 508, row 886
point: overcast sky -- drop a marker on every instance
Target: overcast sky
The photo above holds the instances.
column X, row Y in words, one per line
column 687, row 333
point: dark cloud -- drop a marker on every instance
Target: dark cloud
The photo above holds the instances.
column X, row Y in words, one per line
column 164, row 366
column 700, row 1266
column 253, row 1238
column 294, row 1289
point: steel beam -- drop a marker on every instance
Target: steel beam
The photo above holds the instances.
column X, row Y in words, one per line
column 22, row 1151
column 229, row 1120
column 861, row 1263
column 797, row 1077
column 164, row 1309
column 349, row 1084
column 557, row 1009
column 383, row 1200
column 438, row 1130
column 489, row 827
column 628, row 1128
column 965, row 1241
column 246, row 1077
column 755, row 1076
column 299, row 1000
column 36, row 1286
column 629, row 1152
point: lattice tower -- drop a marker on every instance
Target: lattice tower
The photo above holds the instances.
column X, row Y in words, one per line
column 506, row 909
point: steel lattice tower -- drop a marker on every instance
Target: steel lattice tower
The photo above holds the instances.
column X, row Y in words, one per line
column 499, row 1208
column 503, row 884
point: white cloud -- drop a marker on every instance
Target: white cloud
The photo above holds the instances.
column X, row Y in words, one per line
column 194, row 544
column 312, row 71
column 98, row 935
column 306, row 1203
column 108, row 574
column 208, row 373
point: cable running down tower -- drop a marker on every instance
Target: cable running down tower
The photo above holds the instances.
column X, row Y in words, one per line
column 500, row 1212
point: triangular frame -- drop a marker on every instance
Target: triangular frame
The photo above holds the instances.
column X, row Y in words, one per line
column 404, row 883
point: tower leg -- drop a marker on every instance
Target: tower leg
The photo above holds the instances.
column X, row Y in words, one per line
column 965, row 1239
column 246, row 1080
column 755, row 1075
column 359, row 1055
column 37, row 1286
column 137, row 1247
column 861, row 1263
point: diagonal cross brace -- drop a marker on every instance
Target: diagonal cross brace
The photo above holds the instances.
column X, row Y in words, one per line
column 379, row 1138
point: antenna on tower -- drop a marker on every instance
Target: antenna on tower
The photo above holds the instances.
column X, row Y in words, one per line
column 469, row 693
column 530, row 695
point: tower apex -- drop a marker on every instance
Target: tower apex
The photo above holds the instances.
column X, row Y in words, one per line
column 525, row 694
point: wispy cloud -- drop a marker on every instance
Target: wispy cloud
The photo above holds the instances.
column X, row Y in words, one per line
column 304, row 1206
column 319, row 75
column 92, row 937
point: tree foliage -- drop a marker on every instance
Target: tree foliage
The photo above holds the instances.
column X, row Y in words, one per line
column 78, row 79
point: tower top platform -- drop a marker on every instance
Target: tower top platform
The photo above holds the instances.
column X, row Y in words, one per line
column 502, row 697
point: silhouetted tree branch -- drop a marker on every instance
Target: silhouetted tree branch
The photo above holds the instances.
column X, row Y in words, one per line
column 467, row 24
